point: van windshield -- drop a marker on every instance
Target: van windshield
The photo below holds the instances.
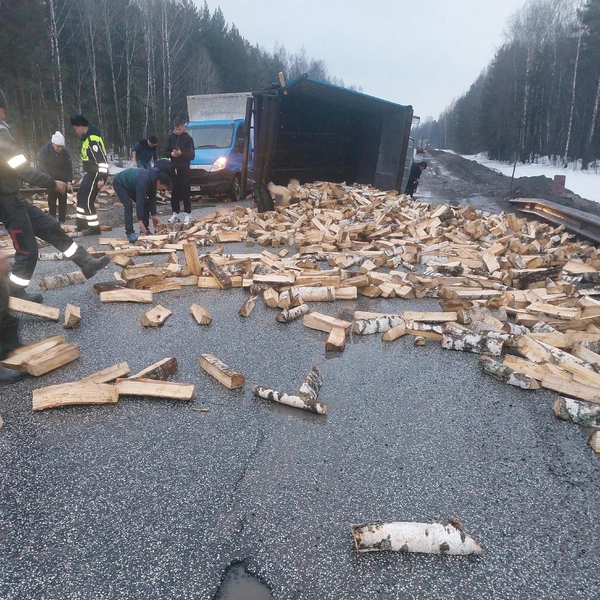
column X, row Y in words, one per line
column 212, row 136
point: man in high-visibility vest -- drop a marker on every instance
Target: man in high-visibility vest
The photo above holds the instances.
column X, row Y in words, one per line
column 24, row 221
column 95, row 166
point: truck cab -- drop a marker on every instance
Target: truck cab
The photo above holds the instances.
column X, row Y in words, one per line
column 219, row 146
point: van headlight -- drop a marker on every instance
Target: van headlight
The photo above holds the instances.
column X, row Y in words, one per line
column 219, row 164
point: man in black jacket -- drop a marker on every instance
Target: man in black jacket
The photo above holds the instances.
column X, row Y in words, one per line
column 143, row 154
column 414, row 176
column 95, row 165
column 180, row 148
column 55, row 160
column 24, row 221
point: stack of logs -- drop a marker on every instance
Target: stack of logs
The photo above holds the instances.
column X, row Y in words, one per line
column 505, row 285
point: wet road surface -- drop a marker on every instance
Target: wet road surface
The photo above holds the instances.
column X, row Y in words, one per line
column 151, row 499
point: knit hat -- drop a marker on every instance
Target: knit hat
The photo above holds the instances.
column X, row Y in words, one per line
column 79, row 121
column 2, row 100
column 58, row 138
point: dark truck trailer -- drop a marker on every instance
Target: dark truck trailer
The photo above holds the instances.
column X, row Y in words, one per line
column 314, row 131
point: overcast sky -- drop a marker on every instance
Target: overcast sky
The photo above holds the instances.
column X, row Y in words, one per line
column 425, row 52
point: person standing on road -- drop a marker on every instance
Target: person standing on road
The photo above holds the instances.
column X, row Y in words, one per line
column 55, row 160
column 9, row 326
column 95, row 165
column 180, row 148
column 139, row 186
column 143, row 154
column 413, row 179
column 24, row 221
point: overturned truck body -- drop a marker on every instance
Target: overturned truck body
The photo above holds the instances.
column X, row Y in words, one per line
column 313, row 131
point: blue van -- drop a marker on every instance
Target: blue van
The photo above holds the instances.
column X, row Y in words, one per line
column 217, row 168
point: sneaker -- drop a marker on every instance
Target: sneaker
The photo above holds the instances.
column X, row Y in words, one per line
column 132, row 237
column 187, row 219
column 174, row 218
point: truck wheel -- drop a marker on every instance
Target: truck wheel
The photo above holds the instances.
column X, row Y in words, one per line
column 235, row 193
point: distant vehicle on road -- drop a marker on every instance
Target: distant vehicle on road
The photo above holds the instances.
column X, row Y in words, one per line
column 422, row 145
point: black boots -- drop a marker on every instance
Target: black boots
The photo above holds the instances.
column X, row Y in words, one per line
column 9, row 376
column 9, row 340
column 88, row 265
column 17, row 291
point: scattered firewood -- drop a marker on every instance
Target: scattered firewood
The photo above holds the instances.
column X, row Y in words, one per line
column 577, row 411
column 430, row 538
column 286, row 316
column 33, row 308
column 192, row 260
column 72, row 317
column 247, row 307
column 456, row 337
column 325, row 323
column 295, row 401
column 153, row 389
column 51, row 359
column 506, row 374
column 201, row 315
column 218, row 273
column 126, row 295
column 17, row 358
column 336, row 342
column 271, row 298
column 376, row 325
column 70, row 394
column 311, row 385
column 419, row 340
column 159, row 370
column 221, row 372
column 53, row 282
column 394, row 333
column 156, row 316
column 107, row 375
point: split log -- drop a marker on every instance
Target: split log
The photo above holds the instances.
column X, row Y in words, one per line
column 201, row 315
column 376, row 325
column 309, row 390
column 70, row 394
column 106, row 286
column 159, row 370
column 127, row 295
column 131, row 274
column 153, row 389
column 594, row 441
column 426, row 330
column 221, row 372
column 107, row 375
column 325, row 323
column 248, row 306
column 52, row 359
column 218, row 272
column 315, row 294
column 429, row 317
column 430, row 538
column 156, row 316
column 394, row 333
column 577, row 411
column 122, row 260
column 336, row 342
column 1, row 422
column 419, row 340
column 72, row 317
column 17, row 358
column 190, row 253
column 33, row 308
column 271, row 298
column 295, row 401
column 506, row 374
column 455, row 337
column 53, row 282
column 286, row 316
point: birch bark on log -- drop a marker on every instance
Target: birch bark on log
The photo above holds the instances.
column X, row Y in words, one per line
column 311, row 385
column 503, row 373
column 377, row 325
column 577, row 411
column 455, row 337
column 429, row 538
column 295, row 401
column 286, row 316
column 53, row 282
column 315, row 294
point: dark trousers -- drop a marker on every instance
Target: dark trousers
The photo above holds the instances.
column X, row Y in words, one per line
column 24, row 222
column 86, row 197
column 144, row 165
column 9, row 326
column 181, row 189
column 53, row 197
column 128, row 201
column 411, row 186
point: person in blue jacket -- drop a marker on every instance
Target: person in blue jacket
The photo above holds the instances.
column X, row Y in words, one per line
column 143, row 154
column 139, row 186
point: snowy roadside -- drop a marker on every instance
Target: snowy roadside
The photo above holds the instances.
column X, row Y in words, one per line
column 584, row 183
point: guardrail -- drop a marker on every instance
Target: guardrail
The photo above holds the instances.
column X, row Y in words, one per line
column 576, row 221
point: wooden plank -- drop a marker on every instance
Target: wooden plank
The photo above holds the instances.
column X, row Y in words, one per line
column 430, row 317
column 154, row 389
column 33, row 308
column 127, row 295
column 221, row 372
column 51, row 359
column 70, row 394
column 107, row 375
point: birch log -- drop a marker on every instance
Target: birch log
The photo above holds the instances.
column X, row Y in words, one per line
column 295, row 401
column 53, row 282
column 430, row 538
column 577, row 411
column 503, row 373
column 376, row 325
column 311, row 385
column 455, row 337
column 315, row 294
column 285, row 316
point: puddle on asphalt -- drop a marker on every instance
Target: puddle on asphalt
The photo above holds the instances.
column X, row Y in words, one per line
column 240, row 585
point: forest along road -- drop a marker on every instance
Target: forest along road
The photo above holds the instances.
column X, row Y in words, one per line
column 153, row 499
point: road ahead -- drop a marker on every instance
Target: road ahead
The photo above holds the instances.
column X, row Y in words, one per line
column 150, row 499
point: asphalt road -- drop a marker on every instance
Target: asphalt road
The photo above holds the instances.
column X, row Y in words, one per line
column 150, row 499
